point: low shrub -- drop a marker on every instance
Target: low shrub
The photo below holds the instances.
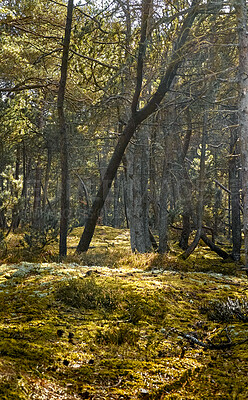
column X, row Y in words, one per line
column 227, row 310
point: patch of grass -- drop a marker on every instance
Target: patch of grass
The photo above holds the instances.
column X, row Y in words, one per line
column 118, row 334
column 88, row 294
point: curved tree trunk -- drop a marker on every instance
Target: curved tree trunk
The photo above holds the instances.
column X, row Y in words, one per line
column 137, row 117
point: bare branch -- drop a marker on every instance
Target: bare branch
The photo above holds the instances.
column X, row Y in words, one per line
column 93, row 59
column 141, row 54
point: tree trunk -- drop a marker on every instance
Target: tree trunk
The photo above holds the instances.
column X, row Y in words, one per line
column 65, row 197
column 135, row 120
column 138, row 210
column 153, row 192
column 195, row 242
column 163, row 218
column 116, row 216
column 241, row 9
column 234, row 183
column 185, row 186
column 37, row 197
column 16, row 212
column 47, row 175
column 222, row 253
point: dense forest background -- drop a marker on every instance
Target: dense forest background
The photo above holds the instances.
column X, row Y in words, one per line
column 123, row 199
column 157, row 84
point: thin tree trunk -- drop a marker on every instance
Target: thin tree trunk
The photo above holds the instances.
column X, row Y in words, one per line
column 186, row 194
column 125, row 190
column 235, row 197
column 16, row 212
column 47, row 175
column 195, row 242
column 241, row 10
column 37, row 197
column 65, row 197
column 116, row 216
column 163, row 218
column 153, row 192
column 25, row 181
column 135, row 120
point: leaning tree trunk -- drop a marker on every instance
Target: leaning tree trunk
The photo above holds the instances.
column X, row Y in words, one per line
column 65, row 201
column 138, row 116
column 241, row 9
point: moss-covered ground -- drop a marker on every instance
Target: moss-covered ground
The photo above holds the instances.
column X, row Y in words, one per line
column 113, row 325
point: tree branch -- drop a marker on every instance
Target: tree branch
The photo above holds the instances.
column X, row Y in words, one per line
column 141, row 54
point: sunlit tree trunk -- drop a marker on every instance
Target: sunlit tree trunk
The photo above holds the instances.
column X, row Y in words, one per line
column 138, row 211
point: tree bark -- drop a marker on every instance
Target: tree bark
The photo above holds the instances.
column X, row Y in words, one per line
column 138, row 209
column 163, row 218
column 135, row 120
column 37, row 197
column 241, row 10
column 47, row 175
column 186, row 194
column 222, row 253
column 198, row 234
column 16, row 211
column 116, row 215
column 234, row 183
column 65, row 201
column 153, row 192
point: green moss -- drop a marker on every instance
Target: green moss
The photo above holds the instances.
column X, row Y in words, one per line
column 120, row 330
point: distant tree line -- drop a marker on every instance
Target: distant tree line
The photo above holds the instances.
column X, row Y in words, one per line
column 129, row 114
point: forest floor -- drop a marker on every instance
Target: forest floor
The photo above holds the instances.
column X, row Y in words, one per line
column 113, row 325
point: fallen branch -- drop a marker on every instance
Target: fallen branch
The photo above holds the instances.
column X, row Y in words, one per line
column 213, row 346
